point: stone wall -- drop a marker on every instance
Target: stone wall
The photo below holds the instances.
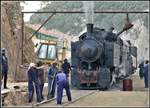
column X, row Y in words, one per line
column 11, row 36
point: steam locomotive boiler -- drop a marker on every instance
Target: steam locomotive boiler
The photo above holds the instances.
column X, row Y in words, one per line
column 100, row 58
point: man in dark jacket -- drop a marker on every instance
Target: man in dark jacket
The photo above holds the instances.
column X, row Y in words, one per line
column 141, row 66
column 33, row 81
column 62, row 82
column 41, row 77
column 4, row 68
column 66, row 67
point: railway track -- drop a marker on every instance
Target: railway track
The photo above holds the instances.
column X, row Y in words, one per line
column 76, row 96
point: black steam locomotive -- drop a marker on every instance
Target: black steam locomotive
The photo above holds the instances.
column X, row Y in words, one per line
column 100, row 58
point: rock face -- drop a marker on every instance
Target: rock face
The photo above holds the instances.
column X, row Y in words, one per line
column 11, row 39
column 139, row 36
column 15, row 98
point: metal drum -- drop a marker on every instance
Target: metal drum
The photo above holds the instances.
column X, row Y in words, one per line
column 127, row 85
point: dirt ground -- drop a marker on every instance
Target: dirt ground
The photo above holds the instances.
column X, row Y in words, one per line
column 139, row 97
column 113, row 97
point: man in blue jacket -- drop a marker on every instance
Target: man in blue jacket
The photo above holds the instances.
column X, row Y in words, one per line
column 146, row 69
column 62, row 82
column 51, row 80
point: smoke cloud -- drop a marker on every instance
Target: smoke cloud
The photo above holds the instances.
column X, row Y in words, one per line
column 89, row 11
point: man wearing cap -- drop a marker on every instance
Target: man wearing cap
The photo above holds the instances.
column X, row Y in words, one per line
column 4, row 68
column 66, row 67
column 51, row 80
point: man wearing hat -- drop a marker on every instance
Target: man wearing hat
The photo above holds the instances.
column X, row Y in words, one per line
column 66, row 67
column 4, row 68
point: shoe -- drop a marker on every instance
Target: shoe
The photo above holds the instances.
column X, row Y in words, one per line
column 5, row 87
column 38, row 101
column 42, row 99
column 59, row 105
column 70, row 101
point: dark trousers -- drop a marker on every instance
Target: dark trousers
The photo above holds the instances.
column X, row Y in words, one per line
column 146, row 80
column 41, row 90
column 31, row 92
column 51, row 89
column 5, row 79
column 60, row 87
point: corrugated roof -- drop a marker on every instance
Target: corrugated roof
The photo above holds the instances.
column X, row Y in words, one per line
column 44, row 36
column 43, row 30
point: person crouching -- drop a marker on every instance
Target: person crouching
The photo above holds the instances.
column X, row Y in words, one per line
column 62, row 82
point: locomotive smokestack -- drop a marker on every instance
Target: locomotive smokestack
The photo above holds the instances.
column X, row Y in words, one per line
column 89, row 29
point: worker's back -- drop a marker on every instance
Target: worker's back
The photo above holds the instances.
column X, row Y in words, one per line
column 62, row 83
column 61, row 77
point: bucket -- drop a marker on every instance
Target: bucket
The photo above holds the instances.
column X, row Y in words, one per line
column 127, row 85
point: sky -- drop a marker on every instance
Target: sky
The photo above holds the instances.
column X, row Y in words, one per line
column 30, row 6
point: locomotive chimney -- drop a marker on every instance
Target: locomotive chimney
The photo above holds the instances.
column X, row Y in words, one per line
column 89, row 29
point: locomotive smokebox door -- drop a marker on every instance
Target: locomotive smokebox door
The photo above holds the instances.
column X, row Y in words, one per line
column 90, row 50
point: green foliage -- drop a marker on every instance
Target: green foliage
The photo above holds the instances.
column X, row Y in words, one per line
column 74, row 23
column 14, row 12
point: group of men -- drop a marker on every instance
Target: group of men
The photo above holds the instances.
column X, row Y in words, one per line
column 143, row 72
column 36, row 81
column 57, row 79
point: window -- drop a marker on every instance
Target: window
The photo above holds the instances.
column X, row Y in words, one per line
column 51, row 52
column 47, row 51
column 43, row 51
